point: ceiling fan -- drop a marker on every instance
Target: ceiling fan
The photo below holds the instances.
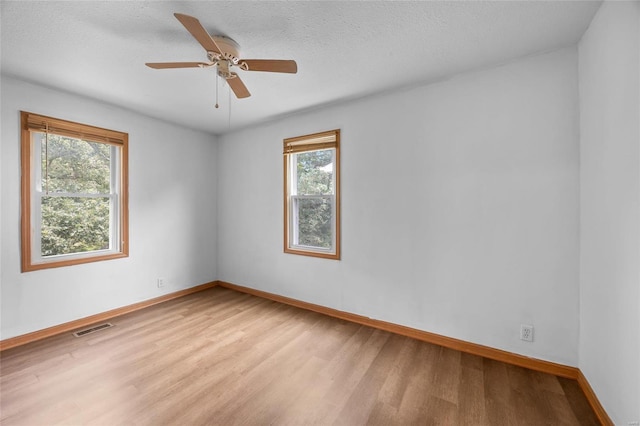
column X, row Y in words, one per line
column 222, row 53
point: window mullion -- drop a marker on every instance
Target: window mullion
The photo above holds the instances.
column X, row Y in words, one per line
column 79, row 195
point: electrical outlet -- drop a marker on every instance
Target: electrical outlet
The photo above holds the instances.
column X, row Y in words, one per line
column 526, row 332
column 634, row 423
column 161, row 282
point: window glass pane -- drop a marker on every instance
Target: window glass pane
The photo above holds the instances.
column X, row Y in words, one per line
column 74, row 224
column 315, row 172
column 74, row 166
column 314, row 222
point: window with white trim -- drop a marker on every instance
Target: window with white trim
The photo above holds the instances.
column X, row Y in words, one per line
column 312, row 195
column 74, row 193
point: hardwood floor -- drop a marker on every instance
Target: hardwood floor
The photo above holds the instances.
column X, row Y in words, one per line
column 223, row 357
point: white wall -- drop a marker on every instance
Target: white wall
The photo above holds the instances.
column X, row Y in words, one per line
column 610, row 209
column 172, row 213
column 460, row 208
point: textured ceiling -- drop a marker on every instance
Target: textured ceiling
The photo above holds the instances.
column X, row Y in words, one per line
column 344, row 50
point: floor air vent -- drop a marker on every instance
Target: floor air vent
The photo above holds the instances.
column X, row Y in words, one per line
column 92, row 329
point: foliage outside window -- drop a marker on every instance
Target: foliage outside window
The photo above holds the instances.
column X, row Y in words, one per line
column 312, row 195
column 74, row 193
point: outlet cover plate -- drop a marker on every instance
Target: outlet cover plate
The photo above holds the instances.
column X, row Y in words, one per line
column 526, row 332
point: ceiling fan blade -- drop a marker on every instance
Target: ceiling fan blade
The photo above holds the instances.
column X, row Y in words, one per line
column 198, row 32
column 163, row 65
column 238, row 87
column 271, row 65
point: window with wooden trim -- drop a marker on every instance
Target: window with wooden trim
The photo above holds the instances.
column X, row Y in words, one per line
column 312, row 195
column 74, row 193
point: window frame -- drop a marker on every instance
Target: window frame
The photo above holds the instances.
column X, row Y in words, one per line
column 30, row 194
column 292, row 147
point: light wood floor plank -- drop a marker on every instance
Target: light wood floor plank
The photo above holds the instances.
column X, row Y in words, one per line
column 220, row 357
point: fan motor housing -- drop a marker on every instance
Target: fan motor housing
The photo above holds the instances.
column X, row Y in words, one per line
column 229, row 48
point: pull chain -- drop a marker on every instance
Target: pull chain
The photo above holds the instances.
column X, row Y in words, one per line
column 217, row 106
column 229, row 107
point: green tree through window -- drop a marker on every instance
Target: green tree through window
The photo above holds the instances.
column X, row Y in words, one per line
column 73, row 166
column 315, row 177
